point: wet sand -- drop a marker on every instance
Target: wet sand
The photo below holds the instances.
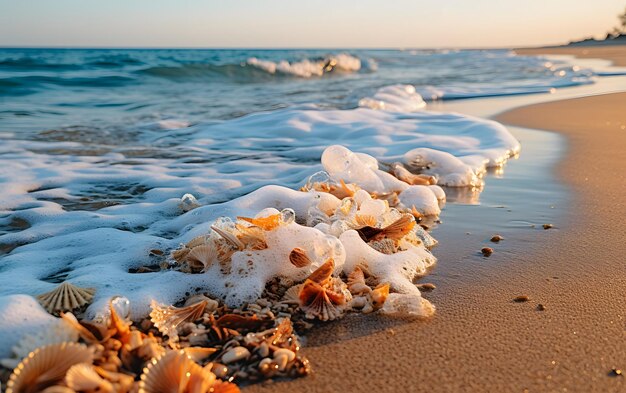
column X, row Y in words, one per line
column 614, row 53
column 479, row 338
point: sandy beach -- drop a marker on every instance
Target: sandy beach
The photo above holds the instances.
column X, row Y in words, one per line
column 614, row 53
column 480, row 339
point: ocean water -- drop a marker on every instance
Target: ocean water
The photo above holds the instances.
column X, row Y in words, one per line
column 97, row 147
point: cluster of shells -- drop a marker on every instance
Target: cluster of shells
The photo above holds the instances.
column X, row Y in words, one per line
column 203, row 345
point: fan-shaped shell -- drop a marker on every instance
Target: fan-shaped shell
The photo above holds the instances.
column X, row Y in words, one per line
column 298, row 257
column 175, row 372
column 166, row 319
column 356, row 282
column 47, row 366
column 252, row 237
column 323, row 273
column 229, row 237
column 66, row 297
column 319, row 302
column 362, row 220
column 224, row 387
column 292, row 295
column 201, row 257
column 83, row 376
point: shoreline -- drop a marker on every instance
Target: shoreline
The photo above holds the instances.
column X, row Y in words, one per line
column 615, row 53
column 479, row 339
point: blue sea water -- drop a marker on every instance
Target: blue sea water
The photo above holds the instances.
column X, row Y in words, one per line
column 116, row 90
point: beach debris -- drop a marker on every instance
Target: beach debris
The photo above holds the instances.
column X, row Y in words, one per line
column 486, row 251
column 548, row 226
column 66, row 297
column 496, row 238
column 541, row 307
column 521, row 298
column 83, row 377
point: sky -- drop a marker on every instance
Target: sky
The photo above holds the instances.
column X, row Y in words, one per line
column 300, row 23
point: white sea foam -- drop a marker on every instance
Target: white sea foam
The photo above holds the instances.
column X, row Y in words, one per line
column 52, row 186
column 307, row 68
column 397, row 98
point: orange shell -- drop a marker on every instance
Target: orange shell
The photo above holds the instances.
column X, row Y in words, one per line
column 266, row 223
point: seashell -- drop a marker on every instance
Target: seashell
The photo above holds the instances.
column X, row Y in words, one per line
column 198, row 354
column 418, row 216
column 298, row 257
column 211, row 305
column 83, row 377
column 175, row 372
column 362, row 220
column 92, row 333
column 396, row 230
column 379, row 295
column 197, row 241
column 166, row 319
column 486, row 251
column 322, row 274
column 46, row 366
column 403, row 174
column 268, row 223
column 224, row 387
column 235, row 354
column 356, row 282
column 66, row 297
column 201, row 257
column 319, row 302
column 58, row 389
column 58, row 332
column 292, row 294
column 282, row 333
column 252, row 237
column 496, row 238
column 229, row 237
column 121, row 382
column 180, row 254
column 237, row 322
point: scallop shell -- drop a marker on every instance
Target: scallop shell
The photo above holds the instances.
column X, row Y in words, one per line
column 66, row 297
column 224, row 387
column 298, row 257
column 58, row 332
column 175, row 372
column 166, row 319
column 46, row 366
column 319, row 302
column 201, row 257
column 292, row 295
column 362, row 220
column 356, row 282
column 252, row 237
column 197, row 241
column 83, row 376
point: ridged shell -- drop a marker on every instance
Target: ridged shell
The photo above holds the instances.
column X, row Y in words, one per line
column 298, row 257
column 201, row 257
column 229, row 237
column 322, row 274
column 356, row 282
column 166, row 319
column 362, row 220
column 66, row 297
column 83, row 376
column 175, row 372
column 47, row 366
column 58, row 332
column 319, row 302
column 252, row 237
column 292, row 295
column 197, row 241
column 224, row 387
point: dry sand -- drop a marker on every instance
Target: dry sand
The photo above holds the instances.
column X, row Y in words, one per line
column 615, row 53
column 479, row 339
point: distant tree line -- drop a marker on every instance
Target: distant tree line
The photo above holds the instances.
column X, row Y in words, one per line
column 621, row 28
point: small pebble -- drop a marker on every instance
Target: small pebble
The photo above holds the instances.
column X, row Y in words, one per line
column 487, row 251
column 615, row 372
column 496, row 238
column 541, row 307
column 235, row 354
column 547, row 226
column 521, row 298
column 426, row 286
